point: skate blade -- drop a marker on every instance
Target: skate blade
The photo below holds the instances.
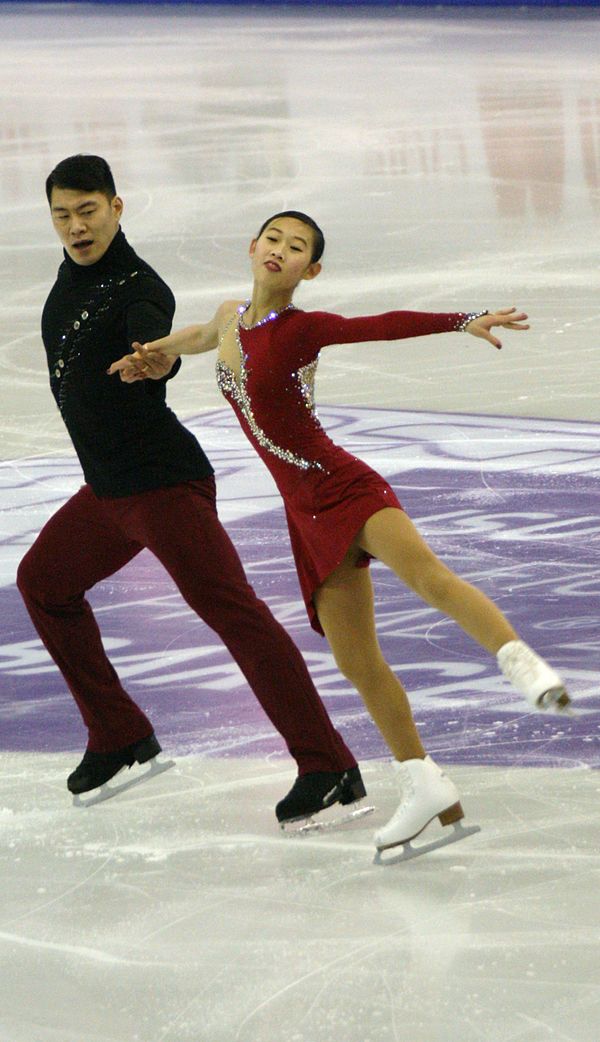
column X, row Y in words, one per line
column 108, row 791
column 313, row 823
column 409, row 852
column 557, row 701
column 566, row 710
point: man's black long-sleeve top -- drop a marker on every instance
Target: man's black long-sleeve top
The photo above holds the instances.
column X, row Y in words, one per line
column 126, row 437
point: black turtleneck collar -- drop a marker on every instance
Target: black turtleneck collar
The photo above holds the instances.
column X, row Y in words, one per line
column 117, row 258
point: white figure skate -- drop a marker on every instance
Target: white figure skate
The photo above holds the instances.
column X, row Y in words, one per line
column 533, row 677
column 427, row 793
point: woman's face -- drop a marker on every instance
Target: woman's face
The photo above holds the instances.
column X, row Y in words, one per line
column 281, row 256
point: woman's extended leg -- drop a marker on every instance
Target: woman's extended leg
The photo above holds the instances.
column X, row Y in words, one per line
column 345, row 608
column 391, row 537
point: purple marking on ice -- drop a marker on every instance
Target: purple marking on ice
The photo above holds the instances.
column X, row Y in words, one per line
column 509, row 504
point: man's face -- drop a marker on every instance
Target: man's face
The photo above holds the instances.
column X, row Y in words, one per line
column 86, row 222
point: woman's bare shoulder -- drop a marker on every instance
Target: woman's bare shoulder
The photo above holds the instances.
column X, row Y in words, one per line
column 228, row 308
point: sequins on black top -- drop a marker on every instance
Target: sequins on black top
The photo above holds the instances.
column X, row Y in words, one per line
column 126, row 437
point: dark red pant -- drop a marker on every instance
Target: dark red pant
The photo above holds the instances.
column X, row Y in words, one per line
column 89, row 539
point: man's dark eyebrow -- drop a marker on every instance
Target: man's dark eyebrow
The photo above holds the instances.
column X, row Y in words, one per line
column 65, row 209
column 272, row 228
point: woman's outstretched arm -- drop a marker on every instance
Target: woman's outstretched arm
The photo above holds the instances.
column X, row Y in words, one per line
column 192, row 340
column 399, row 325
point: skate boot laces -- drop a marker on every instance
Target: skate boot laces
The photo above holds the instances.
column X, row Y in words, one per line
column 405, row 783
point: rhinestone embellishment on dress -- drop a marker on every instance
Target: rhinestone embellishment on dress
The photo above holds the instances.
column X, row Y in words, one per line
column 263, row 321
column 230, row 388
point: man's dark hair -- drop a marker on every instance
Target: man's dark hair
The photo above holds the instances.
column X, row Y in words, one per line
column 82, row 174
column 319, row 238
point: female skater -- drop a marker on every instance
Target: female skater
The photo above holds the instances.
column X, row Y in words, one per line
column 340, row 512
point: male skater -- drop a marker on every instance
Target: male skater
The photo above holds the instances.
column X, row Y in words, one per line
column 148, row 484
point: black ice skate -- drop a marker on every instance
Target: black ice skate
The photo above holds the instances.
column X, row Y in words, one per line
column 314, row 793
column 96, row 769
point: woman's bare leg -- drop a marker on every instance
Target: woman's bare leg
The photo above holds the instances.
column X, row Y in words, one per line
column 345, row 608
column 391, row 537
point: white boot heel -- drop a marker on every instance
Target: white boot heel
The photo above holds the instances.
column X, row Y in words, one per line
column 427, row 793
column 452, row 815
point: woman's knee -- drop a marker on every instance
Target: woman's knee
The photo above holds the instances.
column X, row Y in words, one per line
column 359, row 664
column 435, row 583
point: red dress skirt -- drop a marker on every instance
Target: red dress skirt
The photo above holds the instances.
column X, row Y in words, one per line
column 325, row 514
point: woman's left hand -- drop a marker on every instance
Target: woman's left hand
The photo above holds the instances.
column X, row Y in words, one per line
column 507, row 317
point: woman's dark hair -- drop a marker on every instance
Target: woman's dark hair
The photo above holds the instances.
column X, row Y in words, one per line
column 84, row 174
column 319, row 238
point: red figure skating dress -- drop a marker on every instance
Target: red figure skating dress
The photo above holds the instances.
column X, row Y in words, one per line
column 328, row 494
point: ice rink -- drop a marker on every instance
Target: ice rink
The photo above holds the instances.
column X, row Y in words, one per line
column 453, row 161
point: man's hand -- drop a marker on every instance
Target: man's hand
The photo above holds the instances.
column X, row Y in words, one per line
column 142, row 365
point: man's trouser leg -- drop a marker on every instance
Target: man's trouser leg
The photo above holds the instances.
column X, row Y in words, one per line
column 181, row 527
column 77, row 548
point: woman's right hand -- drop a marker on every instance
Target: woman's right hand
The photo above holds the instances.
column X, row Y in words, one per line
column 145, row 362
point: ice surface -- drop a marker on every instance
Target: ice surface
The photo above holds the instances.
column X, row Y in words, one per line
column 509, row 503
column 179, row 913
column 454, row 162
